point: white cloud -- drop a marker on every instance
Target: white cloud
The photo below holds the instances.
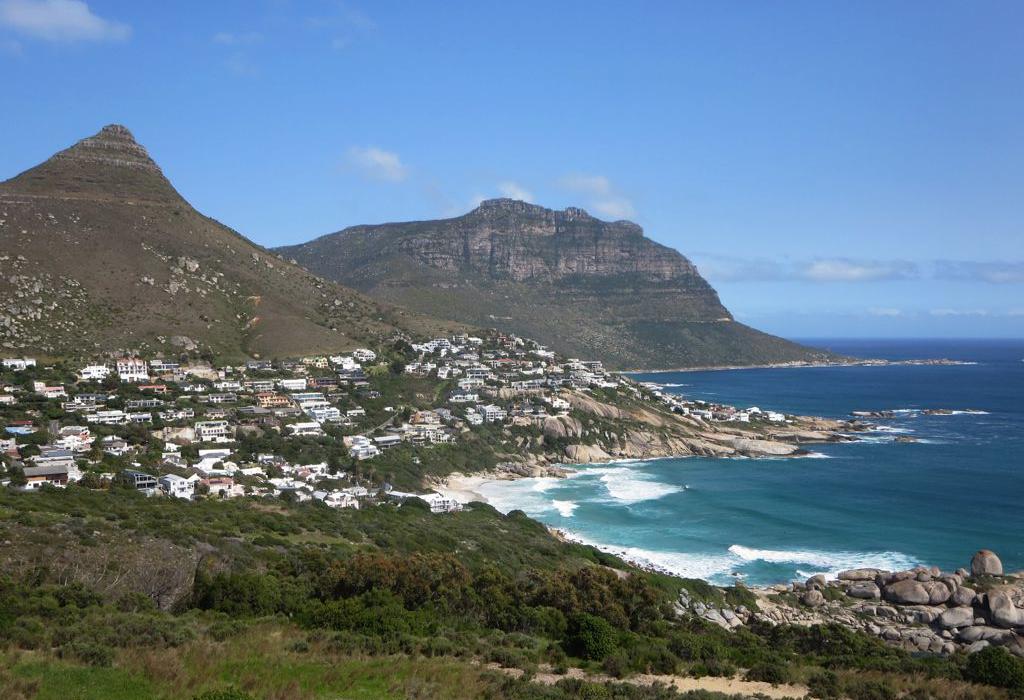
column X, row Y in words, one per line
column 959, row 312
column 614, row 208
column 980, row 271
column 377, row 163
column 513, row 190
column 602, row 196
column 233, row 39
column 885, row 312
column 60, row 20
column 846, row 270
column 597, row 185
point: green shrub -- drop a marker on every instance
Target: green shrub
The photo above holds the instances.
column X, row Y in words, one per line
column 228, row 694
column 590, row 637
column 768, row 673
column 995, row 666
column 868, row 689
column 824, row 685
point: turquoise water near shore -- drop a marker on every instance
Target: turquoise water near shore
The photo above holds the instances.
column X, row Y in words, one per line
column 875, row 502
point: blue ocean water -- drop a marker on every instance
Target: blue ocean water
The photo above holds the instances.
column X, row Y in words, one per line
column 871, row 503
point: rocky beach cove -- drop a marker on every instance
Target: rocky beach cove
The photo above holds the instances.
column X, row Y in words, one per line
column 922, row 609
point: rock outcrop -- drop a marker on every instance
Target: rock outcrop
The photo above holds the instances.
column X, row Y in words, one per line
column 986, row 563
column 924, row 609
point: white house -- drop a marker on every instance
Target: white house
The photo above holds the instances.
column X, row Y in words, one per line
column 492, row 413
column 212, row 430
column 364, row 355
column 94, row 373
column 311, row 428
column 18, row 363
column 130, row 369
column 177, row 486
column 298, row 384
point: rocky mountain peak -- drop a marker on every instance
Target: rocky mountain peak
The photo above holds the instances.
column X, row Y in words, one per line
column 113, row 145
column 505, row 205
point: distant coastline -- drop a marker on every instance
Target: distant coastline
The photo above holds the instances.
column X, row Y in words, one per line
column 804, row 364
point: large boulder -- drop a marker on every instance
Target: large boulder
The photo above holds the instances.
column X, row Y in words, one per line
column 813, row 598
column 986, row 563
column 860, row 574
column 938, row 592
column 907, row 592
column 956, row 617
column 963, row 596
column 817, row 581
column 977, row 633
column 1002, row 610
column 866, row 590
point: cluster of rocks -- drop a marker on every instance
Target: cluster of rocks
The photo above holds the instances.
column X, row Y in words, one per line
column 722, row 615
column 923, row 609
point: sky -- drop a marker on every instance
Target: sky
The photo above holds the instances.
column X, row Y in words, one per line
column 834, row 169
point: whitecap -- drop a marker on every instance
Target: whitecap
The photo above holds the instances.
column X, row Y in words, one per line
column 628, row 486
column 829, row 563
column 687, row 565
column 564, row 508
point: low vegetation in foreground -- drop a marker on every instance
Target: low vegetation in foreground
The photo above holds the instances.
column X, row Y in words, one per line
column 113, row 595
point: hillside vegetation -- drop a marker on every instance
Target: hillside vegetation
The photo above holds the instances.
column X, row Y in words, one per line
column 303, row 601
column 99, row 252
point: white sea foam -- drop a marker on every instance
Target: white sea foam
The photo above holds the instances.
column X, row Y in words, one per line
column 703, row 566
column 890, row 429
column 817, row 455
column 829, row 563
column 564, row 508
column 629, row 486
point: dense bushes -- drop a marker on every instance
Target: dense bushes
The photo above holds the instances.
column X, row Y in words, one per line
column 590, row 637
column 995, row 666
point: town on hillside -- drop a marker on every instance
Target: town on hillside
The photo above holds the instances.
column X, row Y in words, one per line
column 348, row 430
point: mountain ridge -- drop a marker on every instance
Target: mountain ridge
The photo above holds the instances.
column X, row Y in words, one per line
column 583, row 286
column 99, row 251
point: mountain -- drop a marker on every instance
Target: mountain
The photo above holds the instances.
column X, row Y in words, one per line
column 586, row 287
column 98, row 251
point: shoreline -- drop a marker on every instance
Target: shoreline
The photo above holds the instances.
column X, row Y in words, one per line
column 799, row 364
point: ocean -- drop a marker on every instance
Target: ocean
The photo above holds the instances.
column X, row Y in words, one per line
column 875, row 502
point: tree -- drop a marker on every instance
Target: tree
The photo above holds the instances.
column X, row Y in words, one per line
column 17, row 476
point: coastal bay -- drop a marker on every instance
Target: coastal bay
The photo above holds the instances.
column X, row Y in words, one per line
column 879, row 501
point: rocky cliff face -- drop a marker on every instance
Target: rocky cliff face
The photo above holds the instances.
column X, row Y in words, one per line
column 508, row 239
column 581, row 285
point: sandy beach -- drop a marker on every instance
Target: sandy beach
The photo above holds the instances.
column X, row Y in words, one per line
column 463, row 488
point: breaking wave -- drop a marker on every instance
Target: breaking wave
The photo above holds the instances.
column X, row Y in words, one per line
column 564, row 508
column 829, row 563
column 628, row 486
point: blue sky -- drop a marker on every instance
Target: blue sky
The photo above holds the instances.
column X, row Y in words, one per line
column 834, row 169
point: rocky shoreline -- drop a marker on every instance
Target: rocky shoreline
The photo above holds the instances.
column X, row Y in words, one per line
column 922, row 609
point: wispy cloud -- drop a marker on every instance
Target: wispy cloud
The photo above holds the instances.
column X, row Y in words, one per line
column 959, row 312
column 991, row 272
column 848, row 270
column 240, row 64
column 344, row 24
column 514, row 190
column 60, row 21
column 377, row 164
column 237, row 39
column 601, row 196
column 885, row 312
column 726, row 268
